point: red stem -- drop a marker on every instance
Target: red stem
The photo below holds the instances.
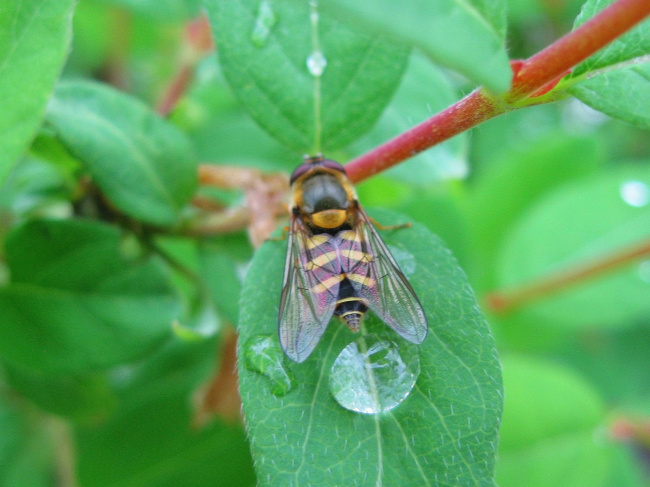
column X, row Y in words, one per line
column 475, row 108
column 578, row 45
column 533, row 73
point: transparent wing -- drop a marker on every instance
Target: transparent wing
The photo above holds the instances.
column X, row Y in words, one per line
column 310, row 288
column 379, row 280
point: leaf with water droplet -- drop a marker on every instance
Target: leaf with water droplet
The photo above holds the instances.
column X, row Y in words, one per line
column 373, row 375
column 315, row 441
column 263, row 354
column 316, row 63
column 277, row 86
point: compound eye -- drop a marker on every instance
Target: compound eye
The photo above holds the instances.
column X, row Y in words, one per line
column 330, row 164
column 299, row 171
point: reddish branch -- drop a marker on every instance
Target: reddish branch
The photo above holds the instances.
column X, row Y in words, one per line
column 531, row 75
column 502, row 301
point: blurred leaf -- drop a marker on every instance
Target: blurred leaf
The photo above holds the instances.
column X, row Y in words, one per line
column 162, row 10
column 269, row 72
column 26, row 452
column 155, row 445
column 476, row 27
column 92, row 38
column 34, row 40
column 31, row 186
column 547, row 434
column 224, row 261
column 505, row 189
column 614, row 361
column 151, row 440
column 81, row 397
column 424, row 91
column 582, row 222
column 619, row 93
column 144, row 165
column 633, row 44
column 75, row 303
column 210, row 112
column 445, row 429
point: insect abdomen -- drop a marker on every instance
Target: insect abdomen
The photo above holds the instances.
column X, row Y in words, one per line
column 350, row 307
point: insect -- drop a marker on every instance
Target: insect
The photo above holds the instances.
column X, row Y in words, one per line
column 338, row 265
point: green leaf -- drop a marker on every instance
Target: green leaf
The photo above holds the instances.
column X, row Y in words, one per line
column 619, row 93
column 151, row 438
column 34, row 40
column 618, row 75
column 424, row 91
column 464, row 36
column 162, row 10
column 267, row 68
column 76, row 303
column 81, row 397
column 580, row 223
column 223, row 263
column 445, row 429
column 631, row 45
column 144, row 165
column 530, row 172
column 26, row 452
column 547, row 434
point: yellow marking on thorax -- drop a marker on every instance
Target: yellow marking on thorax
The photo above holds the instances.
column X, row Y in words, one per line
column 329, row 218
column 326, row 284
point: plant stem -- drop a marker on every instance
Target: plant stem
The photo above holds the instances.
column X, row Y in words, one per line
column 502, row 301
column 475, row 108
column 576, row 46
column 532, row 74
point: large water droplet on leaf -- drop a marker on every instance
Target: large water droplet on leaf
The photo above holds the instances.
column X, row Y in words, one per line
column 374, row 374
column 262, row 354
column 264, row 22
column 316, row 63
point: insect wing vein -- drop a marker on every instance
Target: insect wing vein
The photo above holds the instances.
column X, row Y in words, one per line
column 311, row 284
column 389, row 294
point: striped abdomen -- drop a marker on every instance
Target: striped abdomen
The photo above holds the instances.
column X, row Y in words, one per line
column 337, row 262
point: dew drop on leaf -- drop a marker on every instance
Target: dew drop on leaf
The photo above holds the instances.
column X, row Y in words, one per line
column 262, row 354
column 635, row 193
column 374, row 374
column 264, row 22
column 316, row 63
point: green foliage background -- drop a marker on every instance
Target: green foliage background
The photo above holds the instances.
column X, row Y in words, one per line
column 113, row 317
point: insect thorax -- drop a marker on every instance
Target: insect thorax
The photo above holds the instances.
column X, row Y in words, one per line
column 325, row 203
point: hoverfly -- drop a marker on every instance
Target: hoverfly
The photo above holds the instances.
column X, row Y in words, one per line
column 337, row 264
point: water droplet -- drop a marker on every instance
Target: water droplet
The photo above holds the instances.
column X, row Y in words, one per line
column 644, row 271
column 262, row 354
column 635, row 193
column 264, row 22
column 374, row 374
column 405, row 260
column 316, row 63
